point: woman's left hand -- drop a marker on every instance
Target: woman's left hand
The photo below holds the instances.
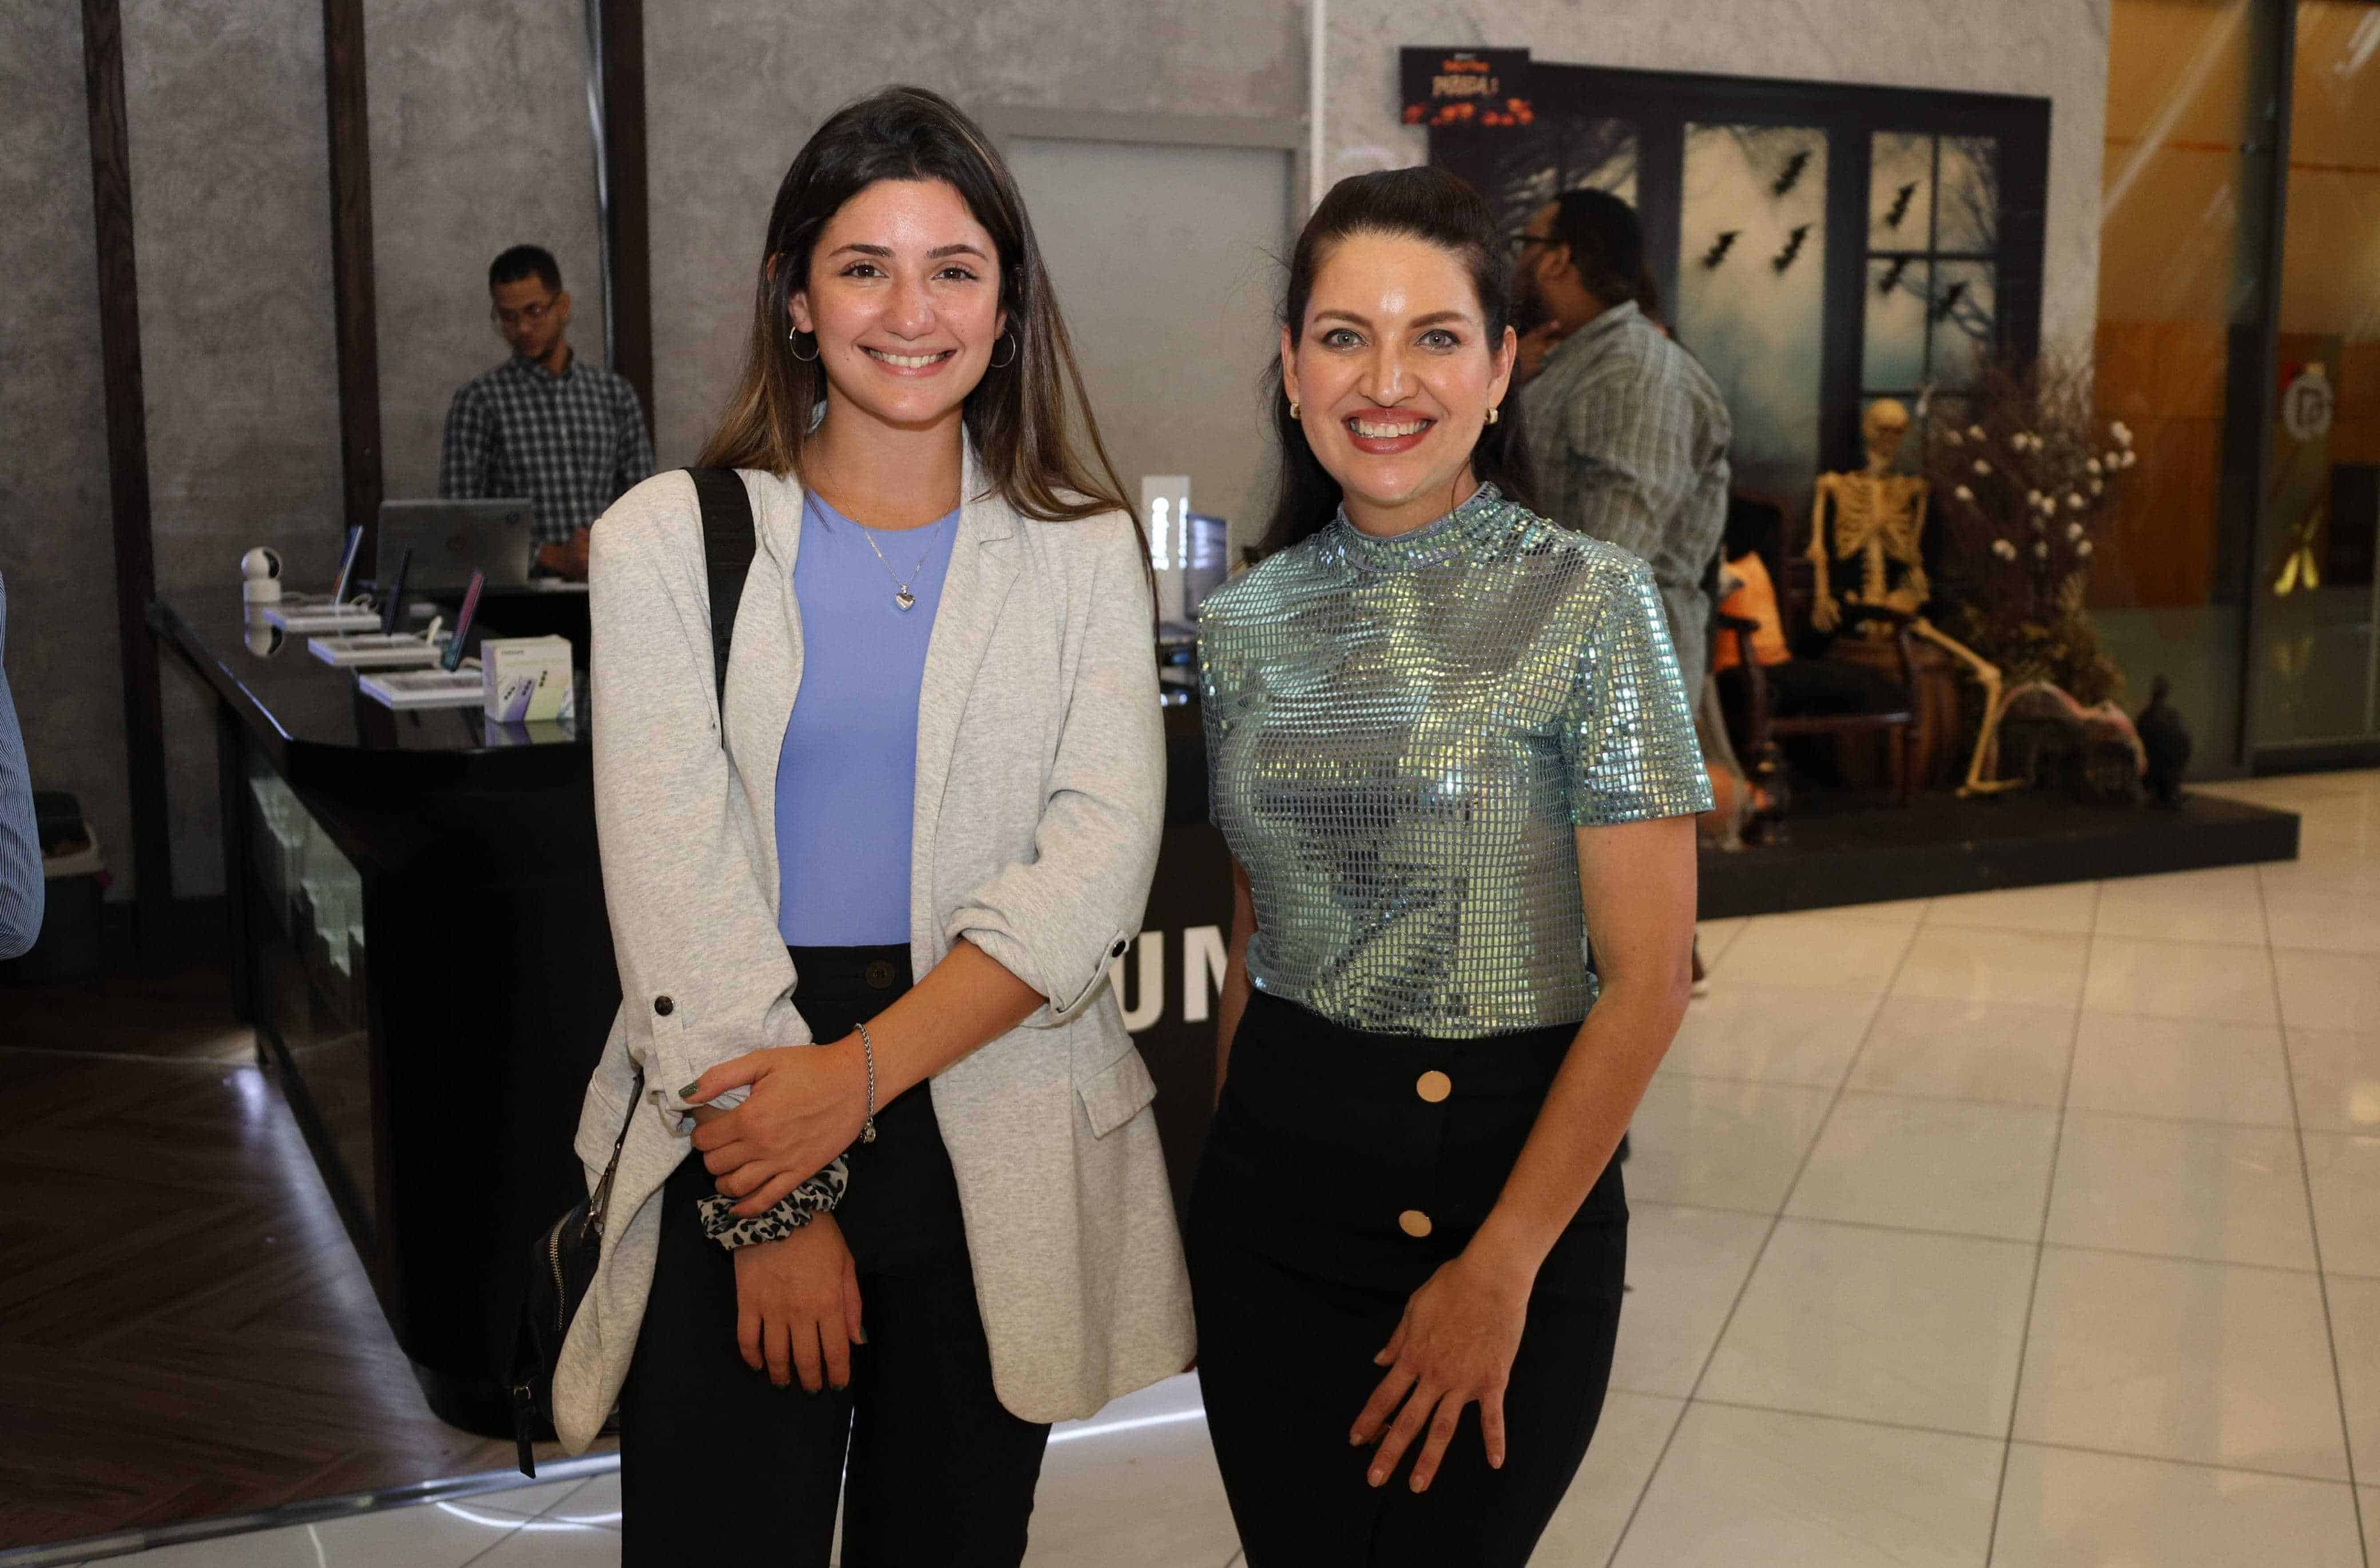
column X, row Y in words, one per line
column 807, row 1105
column 1454, row 1344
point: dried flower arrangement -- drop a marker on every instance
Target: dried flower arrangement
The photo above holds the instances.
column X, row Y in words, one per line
column 2018, row 489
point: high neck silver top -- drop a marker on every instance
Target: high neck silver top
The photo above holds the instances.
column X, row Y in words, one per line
column 1402, row 734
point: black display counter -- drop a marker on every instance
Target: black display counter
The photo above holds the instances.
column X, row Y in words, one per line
column 418, row 937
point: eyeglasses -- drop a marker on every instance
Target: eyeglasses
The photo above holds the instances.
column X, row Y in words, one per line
column 527, row 315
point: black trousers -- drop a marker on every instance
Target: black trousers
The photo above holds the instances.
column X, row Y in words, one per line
column 720, row 1465
column 1327, row 1153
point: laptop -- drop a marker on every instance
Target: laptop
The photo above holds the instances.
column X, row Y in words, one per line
column 450, row 539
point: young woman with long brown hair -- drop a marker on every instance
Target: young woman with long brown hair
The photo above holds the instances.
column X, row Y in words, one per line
column 1447, row 745
column 940, row 1206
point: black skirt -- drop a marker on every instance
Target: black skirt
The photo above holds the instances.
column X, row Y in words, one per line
column 1343, row 1168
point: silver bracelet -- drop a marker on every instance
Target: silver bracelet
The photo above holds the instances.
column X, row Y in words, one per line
column 868, row 1046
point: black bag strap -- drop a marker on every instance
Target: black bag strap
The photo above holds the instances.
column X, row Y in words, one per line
column 600, row 1201
column 729, row 538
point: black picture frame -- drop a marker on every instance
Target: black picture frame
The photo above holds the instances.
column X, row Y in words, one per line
column 1660, row 104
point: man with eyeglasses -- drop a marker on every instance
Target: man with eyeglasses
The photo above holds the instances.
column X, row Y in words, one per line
column 568, row 435
column 1627, row 432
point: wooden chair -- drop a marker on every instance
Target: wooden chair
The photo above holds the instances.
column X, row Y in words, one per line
column 1757, row 524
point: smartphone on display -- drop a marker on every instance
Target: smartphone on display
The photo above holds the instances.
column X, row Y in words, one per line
column 391, row 602
column 346, row 566
column 452, row 657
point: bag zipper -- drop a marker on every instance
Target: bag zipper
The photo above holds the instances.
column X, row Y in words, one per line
column 554, row 1256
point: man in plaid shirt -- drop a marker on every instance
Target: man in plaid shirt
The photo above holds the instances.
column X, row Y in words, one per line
column 570, row 436
column 1627, row 434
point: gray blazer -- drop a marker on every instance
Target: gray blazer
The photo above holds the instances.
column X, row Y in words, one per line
column 1040, row 804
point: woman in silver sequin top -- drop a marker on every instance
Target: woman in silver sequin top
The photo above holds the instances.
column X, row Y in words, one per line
column 1448, row 746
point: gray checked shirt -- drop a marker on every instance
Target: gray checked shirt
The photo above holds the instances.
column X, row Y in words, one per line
column 1629, row 439
column 21, row 888
column 571, row 444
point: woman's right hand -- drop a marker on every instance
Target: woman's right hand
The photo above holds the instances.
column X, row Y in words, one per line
column 797, row 1307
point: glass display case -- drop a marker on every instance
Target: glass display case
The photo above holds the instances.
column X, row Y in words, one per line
column 309, row 982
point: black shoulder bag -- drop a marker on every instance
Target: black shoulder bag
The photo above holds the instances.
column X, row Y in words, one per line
column 562, row 1265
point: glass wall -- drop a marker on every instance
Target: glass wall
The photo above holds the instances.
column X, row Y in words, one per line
column 2180, row 296
column 2238, row 335
column 2314, row 658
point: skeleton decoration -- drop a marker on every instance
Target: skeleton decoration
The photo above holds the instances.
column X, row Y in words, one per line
column 1878, row 525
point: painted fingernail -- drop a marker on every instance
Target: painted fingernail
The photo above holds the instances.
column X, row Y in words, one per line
column 687, row 1092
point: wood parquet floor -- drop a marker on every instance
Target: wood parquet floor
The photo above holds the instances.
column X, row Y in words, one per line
column 185, row 1330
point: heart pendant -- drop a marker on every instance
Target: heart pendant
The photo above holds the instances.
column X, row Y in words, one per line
column 905, row 599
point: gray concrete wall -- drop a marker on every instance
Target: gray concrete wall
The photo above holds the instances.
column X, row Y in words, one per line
column 56, row 548
column 479, row 141
column 2053, row 49
column 480, row 138
column 735, row 87
column 231, row 221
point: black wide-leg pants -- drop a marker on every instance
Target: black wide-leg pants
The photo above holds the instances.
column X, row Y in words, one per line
column 720, row 1465
column 1331, row 1148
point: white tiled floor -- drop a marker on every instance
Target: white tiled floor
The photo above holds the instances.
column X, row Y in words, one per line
column 2036, row 1229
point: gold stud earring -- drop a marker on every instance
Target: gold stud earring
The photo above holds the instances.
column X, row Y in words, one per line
column 1293, row 408
column 1493, row 414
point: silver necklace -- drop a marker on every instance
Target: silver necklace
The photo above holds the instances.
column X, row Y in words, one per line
column 902, row 597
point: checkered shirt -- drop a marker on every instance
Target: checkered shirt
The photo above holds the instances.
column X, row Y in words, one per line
column 1629, row 439
column 570, row 444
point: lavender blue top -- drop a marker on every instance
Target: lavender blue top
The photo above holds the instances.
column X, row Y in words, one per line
column 847, row 777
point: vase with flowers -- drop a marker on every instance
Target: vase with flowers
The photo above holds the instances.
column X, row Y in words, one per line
column 2027, row 471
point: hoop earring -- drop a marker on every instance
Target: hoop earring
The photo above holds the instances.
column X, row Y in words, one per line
column 1014, row 344
column 811, row 359
column 1494, row 414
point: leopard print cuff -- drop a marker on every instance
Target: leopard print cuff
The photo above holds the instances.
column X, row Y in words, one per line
column 798, row 1208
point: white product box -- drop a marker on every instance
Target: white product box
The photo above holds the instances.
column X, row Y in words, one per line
column 526, row 678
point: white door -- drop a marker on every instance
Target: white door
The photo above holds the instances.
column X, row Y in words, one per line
column 1168, row 262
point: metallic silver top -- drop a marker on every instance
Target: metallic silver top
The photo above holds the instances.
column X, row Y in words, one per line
column 1402, row 734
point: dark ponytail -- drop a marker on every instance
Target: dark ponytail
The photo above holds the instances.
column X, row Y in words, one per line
column 1436, row 208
